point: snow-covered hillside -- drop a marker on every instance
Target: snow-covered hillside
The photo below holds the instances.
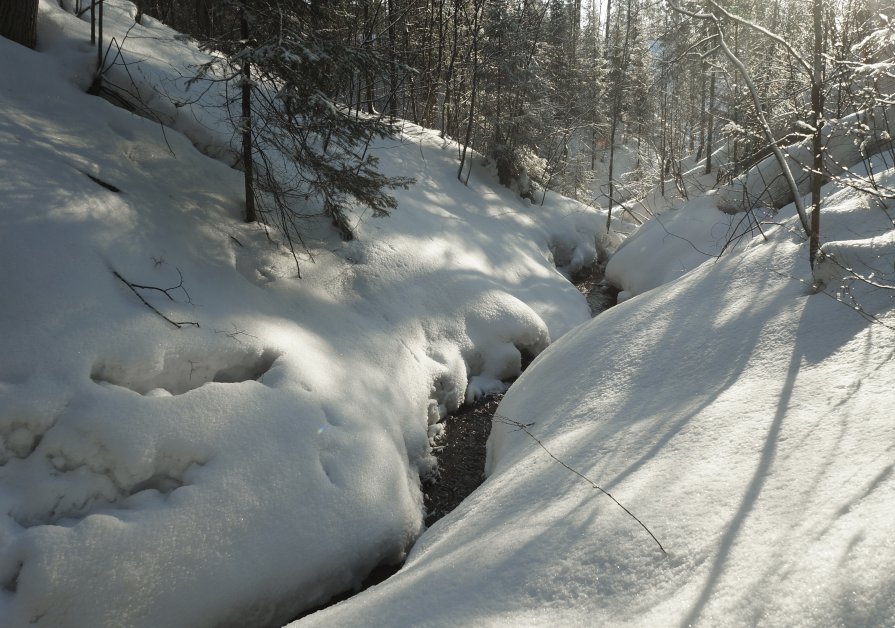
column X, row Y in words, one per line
column 239, row 470
column 744, row 418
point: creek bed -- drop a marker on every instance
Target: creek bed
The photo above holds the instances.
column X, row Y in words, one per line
column 460, row 449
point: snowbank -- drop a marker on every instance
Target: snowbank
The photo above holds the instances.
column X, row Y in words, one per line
column 675, row 242
column 744, row 418
column 266, row 454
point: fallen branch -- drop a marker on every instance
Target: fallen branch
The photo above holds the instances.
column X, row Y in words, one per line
column 524, row 427
column 135, row 287
column 235, row 333
column 102, row 183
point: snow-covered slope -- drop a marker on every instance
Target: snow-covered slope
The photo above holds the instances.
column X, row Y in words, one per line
column 744, row 418
column 239, row 470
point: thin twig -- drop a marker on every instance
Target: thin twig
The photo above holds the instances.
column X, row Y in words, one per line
column 499, row 418
column 135, row 287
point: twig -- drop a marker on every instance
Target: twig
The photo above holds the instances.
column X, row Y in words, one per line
column 499, row 418
column 102, row 183
column 235, row 333
column 166, row 291
column 854, row 307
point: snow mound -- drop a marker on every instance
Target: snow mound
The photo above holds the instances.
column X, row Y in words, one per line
column 240, row 469
column 673, row 243
column 178, row 373
column 742, row 416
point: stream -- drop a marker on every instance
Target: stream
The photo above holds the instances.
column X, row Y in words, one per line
column 460, row 448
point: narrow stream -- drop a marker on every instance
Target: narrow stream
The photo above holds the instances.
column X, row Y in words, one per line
column 460, row 449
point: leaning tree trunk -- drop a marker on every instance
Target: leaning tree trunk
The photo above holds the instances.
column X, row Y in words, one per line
column 18, row 21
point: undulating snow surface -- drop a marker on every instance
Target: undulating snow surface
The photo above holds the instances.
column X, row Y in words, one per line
column 240, row 471
column 675, row 242
column 744, row 418
column 236, row 471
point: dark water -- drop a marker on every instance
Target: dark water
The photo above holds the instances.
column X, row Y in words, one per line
column 460, row 449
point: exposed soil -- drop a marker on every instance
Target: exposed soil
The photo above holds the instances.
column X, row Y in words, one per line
column 460, row 450
column 600, row 294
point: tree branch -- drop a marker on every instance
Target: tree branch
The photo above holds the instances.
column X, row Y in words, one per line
column 524, row 428
column 134, row 287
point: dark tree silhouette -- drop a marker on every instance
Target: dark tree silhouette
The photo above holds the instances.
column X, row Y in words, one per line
column 18, row 21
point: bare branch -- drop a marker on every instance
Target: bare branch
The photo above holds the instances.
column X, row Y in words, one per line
column 499, row 418
column 135, row 288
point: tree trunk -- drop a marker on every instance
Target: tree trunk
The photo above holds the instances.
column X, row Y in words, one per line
column 817, row 106
column 247, row 152
column 393, row 67
column 203, row 17
column 606, row 36
column 702, row 112
column 710, row 136
column 447, row 107
column 475, row 77
column 18, row 21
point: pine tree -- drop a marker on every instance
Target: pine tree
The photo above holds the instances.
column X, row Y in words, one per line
column 304, row 150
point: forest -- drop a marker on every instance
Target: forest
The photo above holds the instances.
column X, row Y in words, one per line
column 549, row 89
column 446, row 313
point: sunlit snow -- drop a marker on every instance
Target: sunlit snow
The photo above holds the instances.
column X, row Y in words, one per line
column 267, row 455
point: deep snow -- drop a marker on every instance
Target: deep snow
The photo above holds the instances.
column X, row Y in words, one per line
column 744, row 418
column 243, row 470
column 147, row 478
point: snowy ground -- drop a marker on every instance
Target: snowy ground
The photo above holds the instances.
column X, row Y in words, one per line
column 743, row 417
column 240, row 471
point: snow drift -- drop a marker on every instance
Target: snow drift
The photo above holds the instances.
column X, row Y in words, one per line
column 266, row 455
column 743, row 416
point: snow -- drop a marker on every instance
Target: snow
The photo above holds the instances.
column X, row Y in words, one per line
column 673, row 243
column 241, row 471
column 745, row 419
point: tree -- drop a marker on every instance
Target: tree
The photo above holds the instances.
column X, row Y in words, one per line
column 18, row 21
column 245, row 120
column 303, row 148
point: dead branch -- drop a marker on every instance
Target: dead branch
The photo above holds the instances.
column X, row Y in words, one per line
column 135, row 288
column 524, row 428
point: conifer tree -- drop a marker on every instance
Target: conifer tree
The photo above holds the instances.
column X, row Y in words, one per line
column 304, row 150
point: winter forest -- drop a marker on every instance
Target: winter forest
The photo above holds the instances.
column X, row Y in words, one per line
column 447, row 313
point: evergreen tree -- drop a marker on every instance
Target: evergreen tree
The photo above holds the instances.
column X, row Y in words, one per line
column 304, row 150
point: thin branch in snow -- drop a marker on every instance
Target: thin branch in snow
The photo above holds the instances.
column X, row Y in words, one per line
column 102, row 183
column 235, row 333
column 854, row 306
column 499, row 418
column 135, row 288
column 690, row 242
